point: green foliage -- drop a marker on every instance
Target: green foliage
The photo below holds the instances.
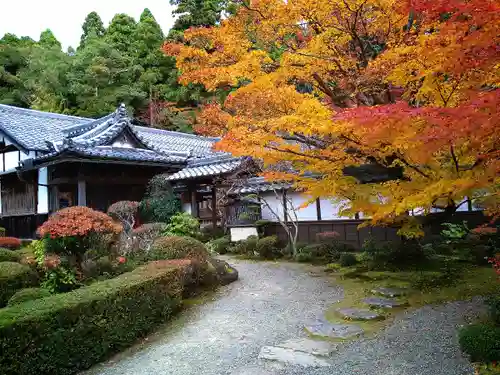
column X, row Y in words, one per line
column 176, row 247
column 59, row 280
column 494, row 309
column 183, row 224
column 38, row 249
column 219, row 245
column 14, row 276
column 455, row 232
column 394, row 255
column 481, row 342
column 9, row 256
column 28, row 294
column 245, row 247
column 70, row 332
column 160, row 203
column 326, row 252
column 268, row 247
column 2, row 232
column 348, row 260
column 92, row 28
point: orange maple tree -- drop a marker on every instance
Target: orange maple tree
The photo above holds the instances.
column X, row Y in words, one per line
column 409, row 86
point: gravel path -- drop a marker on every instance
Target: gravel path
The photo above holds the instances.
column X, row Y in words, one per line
column 271, row 303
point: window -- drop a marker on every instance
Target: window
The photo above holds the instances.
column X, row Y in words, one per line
column 43, row 192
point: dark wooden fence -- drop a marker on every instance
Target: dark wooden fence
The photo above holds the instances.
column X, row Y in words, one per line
column 22, row 226
column 350, row 233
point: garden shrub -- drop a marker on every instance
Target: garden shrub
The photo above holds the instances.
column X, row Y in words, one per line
column 245, row 247
column 267, row 247
column 14, row 276
column 125, row 212
column 66, row 333
column 176, row 247
column 481, row 342
column 183, row 224
column 393, row 256
column 209, row 233
column 2, row 232
column 9, row 256
column 160, row 203
column 10, row 243
column 494, row 308
column 74, row 230
column 348, row 260
column 28, row 294
column 146, row 234
column 327, row 252
column 220, row 245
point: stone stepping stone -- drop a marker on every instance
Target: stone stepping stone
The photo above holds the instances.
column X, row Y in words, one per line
column 389, row 292
column 335, row 331
column 383, row 302
column 314, row 347
column 292, row 357
column 359, row 314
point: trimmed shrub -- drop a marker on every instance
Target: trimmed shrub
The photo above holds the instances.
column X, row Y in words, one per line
column 209, row 233
column 394, row 256
column 348, row 260
column 146, row 234
column 28, row 294
column 176, row 247
column 183, row 224
column 327, row 252
column 220, row 245
column 267, row 247
column 9, row 256
column 245, row 247
column 66, row 333
column 14, row 276
column 3, row 232
column 125, row 212
column 494, row 308
column 74, row 230
column 481, row 342
column 11, row 243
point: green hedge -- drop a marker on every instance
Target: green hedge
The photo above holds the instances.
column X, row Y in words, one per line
column 28, row 294
column 7, row 255
column 14, row 276
column 66, row 333
column 481, row 342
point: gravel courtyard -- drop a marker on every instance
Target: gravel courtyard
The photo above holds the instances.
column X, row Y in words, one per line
column 271, row 303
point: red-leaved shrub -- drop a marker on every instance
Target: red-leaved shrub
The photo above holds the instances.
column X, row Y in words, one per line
column 11, row 243
column 78, row 222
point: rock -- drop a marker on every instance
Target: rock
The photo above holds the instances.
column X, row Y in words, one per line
column 314, row 347
column 227, row 274
column 359, row 314
column 389, row 292
column 292, row 357
column 339, row 331
column 383, row 302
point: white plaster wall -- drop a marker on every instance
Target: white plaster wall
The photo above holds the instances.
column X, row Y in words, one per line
column 330, row 210
column 11, row 160
column 242, row 233
column 308, row 213
column 186, row 207
column 276, row 204
column 43, row 192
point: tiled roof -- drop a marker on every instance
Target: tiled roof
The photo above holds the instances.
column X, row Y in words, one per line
column 207, row 168
column 30, row 128
column 169, row 140
column 109, row 152
column 259, row 184
column 56, row 134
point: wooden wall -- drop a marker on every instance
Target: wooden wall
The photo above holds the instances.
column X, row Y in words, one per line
column 350, row 233
column 19, row 197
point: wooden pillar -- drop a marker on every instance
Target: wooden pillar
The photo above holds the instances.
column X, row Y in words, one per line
column 318, row 209
column 214, row 207
column 82, row 193
column 194, row 202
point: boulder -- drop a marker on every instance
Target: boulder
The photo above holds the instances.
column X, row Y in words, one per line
column 226, row 273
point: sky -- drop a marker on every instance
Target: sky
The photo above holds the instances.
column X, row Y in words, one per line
column 65, row 17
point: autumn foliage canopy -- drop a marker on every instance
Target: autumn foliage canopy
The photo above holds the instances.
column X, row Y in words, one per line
column 78, row 222
column 321, row 86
